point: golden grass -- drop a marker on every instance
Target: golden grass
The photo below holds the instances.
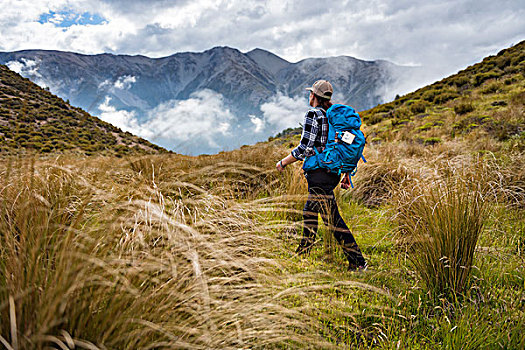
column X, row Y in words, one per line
column 149, row 253
column 196, row 252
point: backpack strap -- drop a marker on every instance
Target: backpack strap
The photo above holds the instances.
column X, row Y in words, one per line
column 327, row 154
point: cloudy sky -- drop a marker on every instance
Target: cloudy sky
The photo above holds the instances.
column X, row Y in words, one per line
column 444, row 36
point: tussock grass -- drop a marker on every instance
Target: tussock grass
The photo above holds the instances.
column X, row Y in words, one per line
column 97, row 255
column 198, row 252
column 444, row 222
column 377, row 182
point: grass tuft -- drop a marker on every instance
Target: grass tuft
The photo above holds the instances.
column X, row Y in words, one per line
column 443, row 222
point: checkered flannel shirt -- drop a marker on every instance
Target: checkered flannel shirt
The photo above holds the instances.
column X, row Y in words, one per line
column 315, row 134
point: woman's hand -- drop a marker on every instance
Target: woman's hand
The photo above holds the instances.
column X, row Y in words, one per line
column 345, row 182
column 289, row 159
column 279, row 166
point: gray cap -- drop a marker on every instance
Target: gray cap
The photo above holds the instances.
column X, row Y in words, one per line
column 322, row 88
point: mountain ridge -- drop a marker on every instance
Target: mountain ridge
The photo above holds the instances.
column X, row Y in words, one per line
column 242, row 83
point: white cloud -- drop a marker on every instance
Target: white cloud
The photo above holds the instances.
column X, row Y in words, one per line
column 197, row 121
column 258, row 123
column 28, row 68
column 283, row 112
column 105, row 84
column 203, row 116
column 122, row 83
column 57, row 18
column 126, row 120
column 125, row 82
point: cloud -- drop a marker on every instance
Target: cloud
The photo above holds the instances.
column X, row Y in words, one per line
column 125, row 82
column 24, row 66
column 283, row 112
column 198, row 124
column 202, row 117
column 28, row 68
column 126, row 120
column 259, row 123
column 122, row 83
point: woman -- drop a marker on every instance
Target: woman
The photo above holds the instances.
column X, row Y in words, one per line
column 321, row 183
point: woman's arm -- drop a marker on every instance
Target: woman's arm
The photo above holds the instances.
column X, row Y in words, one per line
column 289, row 159
column 310, row 128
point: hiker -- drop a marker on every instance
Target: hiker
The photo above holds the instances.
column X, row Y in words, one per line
column 322, row 182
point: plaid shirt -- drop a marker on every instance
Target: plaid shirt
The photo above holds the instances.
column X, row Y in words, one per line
column 315, row 134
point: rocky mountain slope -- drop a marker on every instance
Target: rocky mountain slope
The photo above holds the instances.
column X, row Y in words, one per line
column 33, row 119
column 140, row 88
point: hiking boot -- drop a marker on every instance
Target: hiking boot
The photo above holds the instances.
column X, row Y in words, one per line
column 304, row 247
column 352, row 267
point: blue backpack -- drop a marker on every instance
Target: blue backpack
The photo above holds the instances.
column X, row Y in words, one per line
column 345, row 143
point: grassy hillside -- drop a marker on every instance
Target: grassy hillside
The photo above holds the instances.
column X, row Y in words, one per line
column 487, row 98
column 32, row 119
column 169, row 251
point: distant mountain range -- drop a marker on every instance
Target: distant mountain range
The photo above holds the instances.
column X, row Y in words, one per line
column 204, row 102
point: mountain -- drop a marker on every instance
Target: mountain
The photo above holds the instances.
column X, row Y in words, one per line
column 224, row 97
column 33, row 119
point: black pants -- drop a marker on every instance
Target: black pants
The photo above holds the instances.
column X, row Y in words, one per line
column 321, row 200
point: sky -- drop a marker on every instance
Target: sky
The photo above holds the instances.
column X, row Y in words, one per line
column 442, row 36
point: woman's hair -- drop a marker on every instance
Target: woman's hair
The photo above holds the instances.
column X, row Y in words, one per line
column 323, row 102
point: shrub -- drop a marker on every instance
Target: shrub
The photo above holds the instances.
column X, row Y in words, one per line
column 459, row 81
column 374, row 118
column 429, row 95
column 463, row 108
column 396, row 121
column 46, row 148
column 418, row 107
column 384, row 108
column 498, row 103
column 445, row 96
column 491, row 88
column 425, row 126
column 482, row 77
column 431, row 141
column 502, row 62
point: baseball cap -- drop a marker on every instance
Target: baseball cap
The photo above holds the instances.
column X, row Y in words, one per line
column 322, row 88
